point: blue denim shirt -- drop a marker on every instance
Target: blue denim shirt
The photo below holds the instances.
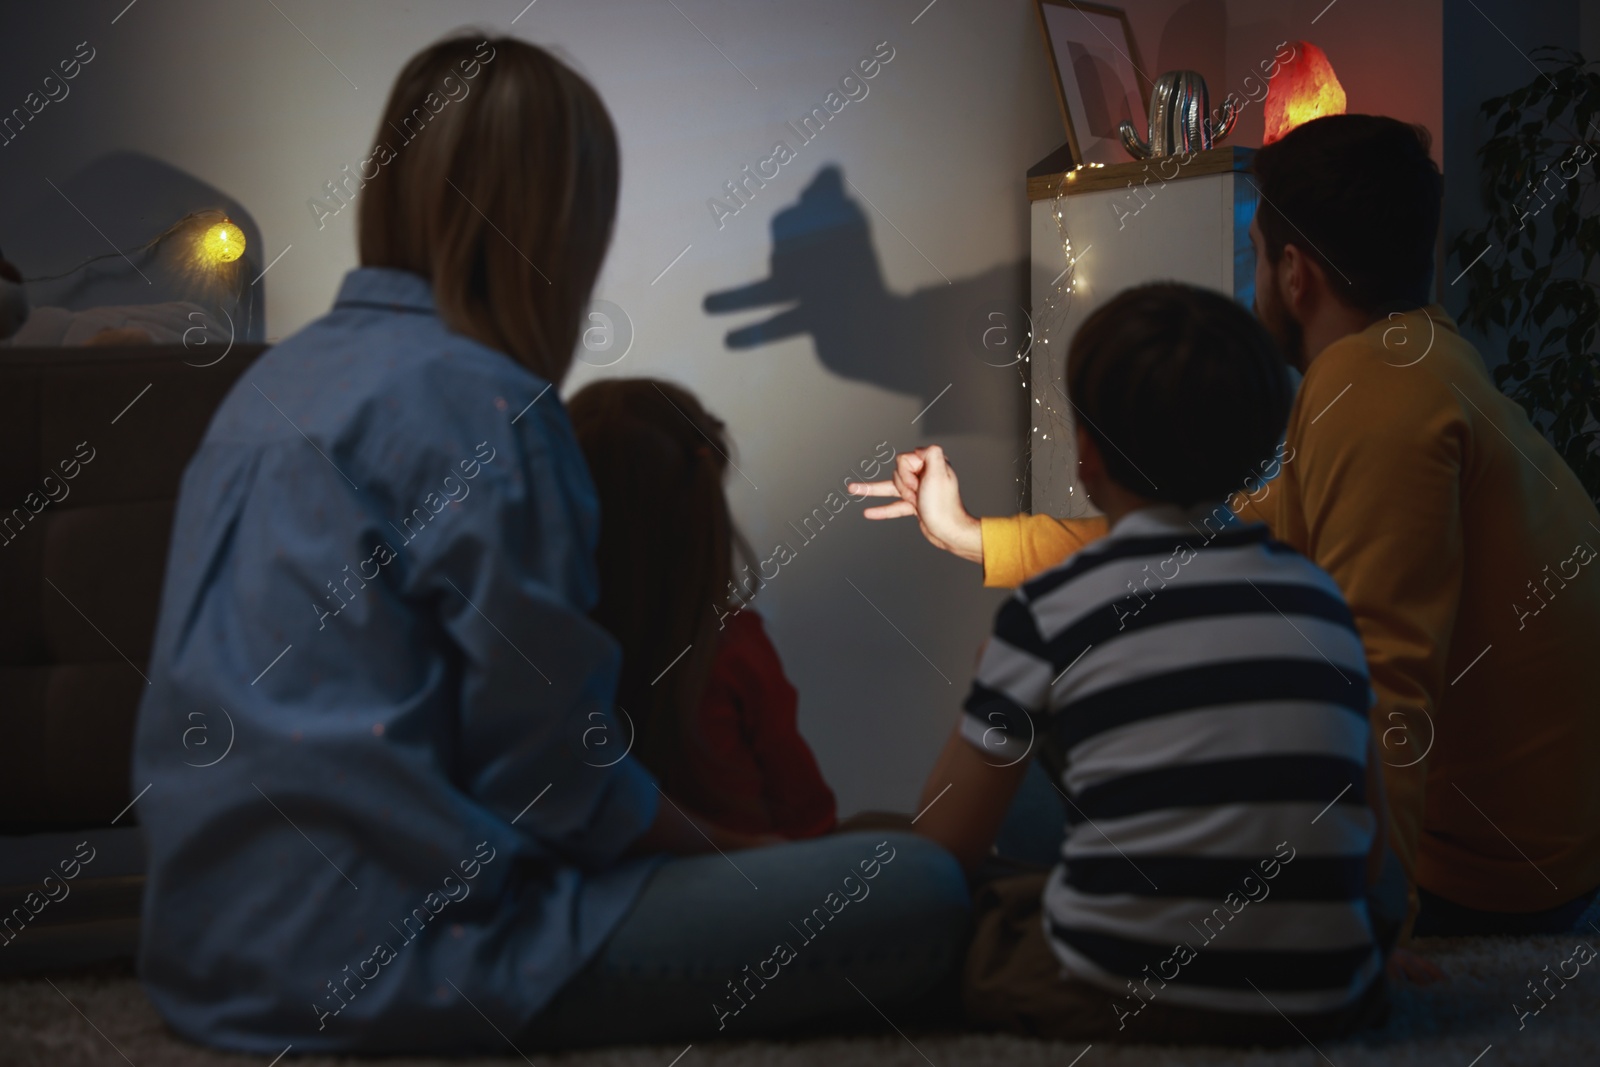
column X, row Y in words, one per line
column 385, row 808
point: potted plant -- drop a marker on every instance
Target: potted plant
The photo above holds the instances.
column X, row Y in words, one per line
column 1536, row 279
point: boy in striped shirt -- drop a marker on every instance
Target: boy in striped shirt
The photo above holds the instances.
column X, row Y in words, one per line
column 1200, row 694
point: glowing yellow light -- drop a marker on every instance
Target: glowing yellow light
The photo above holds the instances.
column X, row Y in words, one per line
column 222, row 243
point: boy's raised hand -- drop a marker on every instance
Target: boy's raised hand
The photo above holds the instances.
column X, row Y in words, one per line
column 927, row 487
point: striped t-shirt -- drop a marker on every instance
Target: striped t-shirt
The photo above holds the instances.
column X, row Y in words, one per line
column 1205, row 690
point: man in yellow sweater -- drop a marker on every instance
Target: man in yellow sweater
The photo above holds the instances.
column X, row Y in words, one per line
column 1460, row 538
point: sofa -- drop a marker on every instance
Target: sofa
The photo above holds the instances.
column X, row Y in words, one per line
column 93, row 444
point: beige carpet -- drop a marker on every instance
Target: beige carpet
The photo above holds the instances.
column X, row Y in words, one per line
column 1468, row 1023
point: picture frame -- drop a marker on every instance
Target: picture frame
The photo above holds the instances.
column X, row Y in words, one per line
column 1099, row 77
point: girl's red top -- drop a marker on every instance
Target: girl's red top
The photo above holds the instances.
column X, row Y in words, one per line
column 749, row 745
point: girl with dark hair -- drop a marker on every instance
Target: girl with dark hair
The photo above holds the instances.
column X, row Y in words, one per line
column 420, row 835
column 714, row 714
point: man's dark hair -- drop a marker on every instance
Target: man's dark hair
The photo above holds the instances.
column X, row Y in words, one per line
column 1181, row 389
column 1361, row 196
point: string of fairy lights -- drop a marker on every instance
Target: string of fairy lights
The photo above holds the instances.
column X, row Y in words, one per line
column 218, row 244
column 204, row 248
column 1048, row 321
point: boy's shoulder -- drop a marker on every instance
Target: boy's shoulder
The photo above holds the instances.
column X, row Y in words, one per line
column 1205, row 528
column 1215, row 566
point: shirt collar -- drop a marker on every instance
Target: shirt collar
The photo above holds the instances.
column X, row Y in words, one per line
column 1160, row 519
column 1435, row 313
column 385, row 286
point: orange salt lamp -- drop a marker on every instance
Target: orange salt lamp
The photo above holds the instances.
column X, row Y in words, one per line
column 1305, row 88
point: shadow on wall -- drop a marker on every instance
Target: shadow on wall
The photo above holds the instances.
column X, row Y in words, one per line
column 957, row 348
column 116, row 204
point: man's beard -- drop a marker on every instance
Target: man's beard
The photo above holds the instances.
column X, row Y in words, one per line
column 1281, row 325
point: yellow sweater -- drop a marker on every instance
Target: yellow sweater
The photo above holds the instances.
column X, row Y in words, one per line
column 1463, row 543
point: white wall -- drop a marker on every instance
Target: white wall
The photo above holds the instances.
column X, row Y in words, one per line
column 238, row 98
column 235, row 96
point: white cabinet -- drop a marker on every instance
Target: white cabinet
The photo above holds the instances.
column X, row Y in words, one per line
column 1129, row 223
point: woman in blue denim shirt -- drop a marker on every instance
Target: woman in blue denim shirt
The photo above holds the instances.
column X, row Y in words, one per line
column 422, row 837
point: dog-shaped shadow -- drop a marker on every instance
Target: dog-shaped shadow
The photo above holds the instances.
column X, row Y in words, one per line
column 956, row 347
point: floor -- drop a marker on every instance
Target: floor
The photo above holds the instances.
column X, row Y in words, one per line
column 103, row 1018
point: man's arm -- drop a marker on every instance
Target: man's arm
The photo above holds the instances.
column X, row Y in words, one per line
column 1012, row 549
column 1016, row 547
column 1377, row 482
column 1378, row 801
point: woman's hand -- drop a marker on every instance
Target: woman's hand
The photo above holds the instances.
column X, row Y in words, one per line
column 1408, row 966
column 678, row 833
column 733, row 840
column 927, row 487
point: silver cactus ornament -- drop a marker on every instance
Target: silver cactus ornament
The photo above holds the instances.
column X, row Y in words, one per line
column 1180, row 109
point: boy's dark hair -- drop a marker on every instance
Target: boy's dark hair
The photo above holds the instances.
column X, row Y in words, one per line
column 1181, row 389
column 1361, row 196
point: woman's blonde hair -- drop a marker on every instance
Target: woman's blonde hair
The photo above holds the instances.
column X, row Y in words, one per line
column 499, row 185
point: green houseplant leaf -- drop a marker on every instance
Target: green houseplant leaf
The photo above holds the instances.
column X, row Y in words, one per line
column 1537, row 282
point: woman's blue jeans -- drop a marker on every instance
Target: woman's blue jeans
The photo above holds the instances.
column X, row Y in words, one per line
column 773, row 941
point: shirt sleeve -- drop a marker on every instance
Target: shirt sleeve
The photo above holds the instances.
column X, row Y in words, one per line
column 1017, row 547
column 1011, row 692
column 797, row 796
column 510, row 583
column 1248, row 508
column 1379, row 487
